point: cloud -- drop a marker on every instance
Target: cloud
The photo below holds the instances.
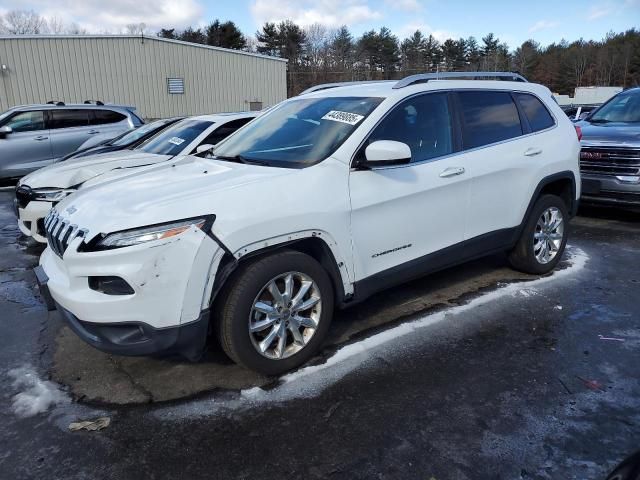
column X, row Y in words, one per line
column 406, row 5
column 596, row 12
column 409, row 29
column 331, row 13
column 98, row 16
column 543, row 25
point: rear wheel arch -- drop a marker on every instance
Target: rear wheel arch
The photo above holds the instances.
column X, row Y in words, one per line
column 561, row 184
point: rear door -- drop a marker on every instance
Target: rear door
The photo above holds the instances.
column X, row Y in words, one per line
column 28, row 147
column 69, row 128
column 502, row 156
column 108, row 122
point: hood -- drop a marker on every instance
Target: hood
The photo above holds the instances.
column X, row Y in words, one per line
column 97, row 140
column 614, row 133
column 189, row 187
column 76, row 171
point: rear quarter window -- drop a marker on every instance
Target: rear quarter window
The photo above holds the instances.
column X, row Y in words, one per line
column 101, row 117
column 488, row 117
column 537, row 114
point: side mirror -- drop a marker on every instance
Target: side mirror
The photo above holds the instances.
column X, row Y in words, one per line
column 383, row 153
column 4, row 131
column 207, row 147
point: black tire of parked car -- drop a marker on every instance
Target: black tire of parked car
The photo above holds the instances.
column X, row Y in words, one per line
column 233, row 309
column 522, row 257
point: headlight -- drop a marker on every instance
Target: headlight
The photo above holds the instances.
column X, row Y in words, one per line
column 50, row 194
column 127, row 238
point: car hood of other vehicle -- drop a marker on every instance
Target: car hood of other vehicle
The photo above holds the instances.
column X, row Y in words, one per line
column 187, row 187
column 74, row 172
column 97, row 140
column 614, row 133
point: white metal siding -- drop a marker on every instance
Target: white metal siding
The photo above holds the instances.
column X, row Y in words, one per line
column 134, row 71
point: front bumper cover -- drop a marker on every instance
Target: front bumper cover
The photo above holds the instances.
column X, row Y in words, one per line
column 133, row 338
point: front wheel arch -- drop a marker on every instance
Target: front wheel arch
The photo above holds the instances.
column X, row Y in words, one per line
column 313, row 245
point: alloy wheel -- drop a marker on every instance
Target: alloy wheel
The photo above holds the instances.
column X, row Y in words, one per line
column 285, row 315
column 548, row 235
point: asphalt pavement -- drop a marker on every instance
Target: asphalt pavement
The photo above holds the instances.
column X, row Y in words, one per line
column 476, row 372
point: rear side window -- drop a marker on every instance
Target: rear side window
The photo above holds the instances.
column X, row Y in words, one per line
column 488, row 117
column 537, row 114
column 101, row 117
column 68, row 118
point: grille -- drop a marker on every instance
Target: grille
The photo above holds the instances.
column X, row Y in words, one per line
column 610, row 161
column 60, row 233
column 24, row 194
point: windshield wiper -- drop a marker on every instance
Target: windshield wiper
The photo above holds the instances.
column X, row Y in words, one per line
column 240, row 159
column 599, row 120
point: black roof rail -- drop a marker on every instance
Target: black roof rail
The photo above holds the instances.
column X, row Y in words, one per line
column 325, row 86
column 425, row 77
column 56, row 102
column 90, row 102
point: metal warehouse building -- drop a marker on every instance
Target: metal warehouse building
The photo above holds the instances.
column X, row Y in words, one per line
column 161, row 77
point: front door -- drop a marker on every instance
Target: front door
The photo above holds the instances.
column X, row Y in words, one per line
column 402, row 213
column 27, row 147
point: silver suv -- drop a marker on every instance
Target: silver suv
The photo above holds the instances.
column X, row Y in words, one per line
column 32, row 136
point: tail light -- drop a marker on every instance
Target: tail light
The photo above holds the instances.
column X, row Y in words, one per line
column 578, row 132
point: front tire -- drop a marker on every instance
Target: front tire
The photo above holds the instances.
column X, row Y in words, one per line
column 544, row 237
column 275, row 312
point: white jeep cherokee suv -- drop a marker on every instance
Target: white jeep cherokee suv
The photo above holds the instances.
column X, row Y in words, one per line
column 323, row 201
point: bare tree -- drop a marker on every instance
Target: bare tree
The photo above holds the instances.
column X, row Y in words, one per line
column 56, row 26
column 24, row 22
column 136, row 28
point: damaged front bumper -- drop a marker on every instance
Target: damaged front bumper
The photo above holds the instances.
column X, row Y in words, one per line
column 168, row 311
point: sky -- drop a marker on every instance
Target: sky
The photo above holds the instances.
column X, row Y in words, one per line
column 545, row 21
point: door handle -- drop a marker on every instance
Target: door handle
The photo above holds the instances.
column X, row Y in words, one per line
column 93, row 132
column 532, row 152
column 40, row 138
column 452, row 172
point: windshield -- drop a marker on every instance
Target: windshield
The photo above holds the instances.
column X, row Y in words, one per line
column 624, row 107
column 300, row 132
column 136, row 134
column 173, row 140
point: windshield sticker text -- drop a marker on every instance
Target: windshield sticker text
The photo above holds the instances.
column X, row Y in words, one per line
column 344, row 117
column 176, row 140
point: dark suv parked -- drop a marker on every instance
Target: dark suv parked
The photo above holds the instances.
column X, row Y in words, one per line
column 610, row 155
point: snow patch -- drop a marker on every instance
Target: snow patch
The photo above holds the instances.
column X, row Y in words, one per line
column 37, row 395
column 353, row 356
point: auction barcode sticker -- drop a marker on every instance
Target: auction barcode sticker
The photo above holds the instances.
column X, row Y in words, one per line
column 344, row 117
column 176, row 140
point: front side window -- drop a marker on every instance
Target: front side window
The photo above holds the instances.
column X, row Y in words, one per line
column 173, row 140
column 624, row 107
column 26, row 121
column 488, row 117
column 537, row 114
column 299, row 132
column 68, row 118
column 422, row 122
column 224, row 131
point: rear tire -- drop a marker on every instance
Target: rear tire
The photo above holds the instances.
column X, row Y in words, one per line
column 544, row 237
column 275, row 312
